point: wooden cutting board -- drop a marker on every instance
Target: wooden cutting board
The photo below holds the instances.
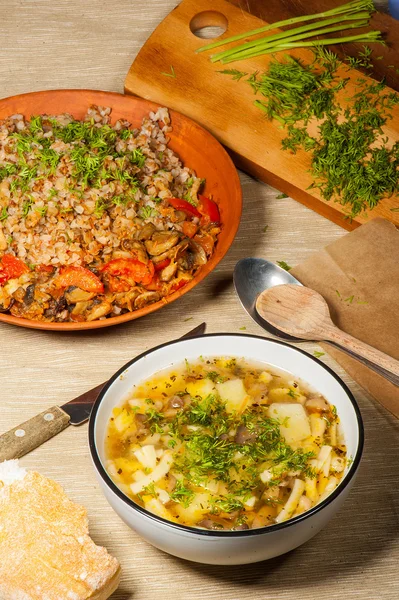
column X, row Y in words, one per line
column 225, row 107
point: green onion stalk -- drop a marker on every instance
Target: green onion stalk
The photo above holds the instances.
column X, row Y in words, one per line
column 351, row 7
column 365, row 38
column 310, row 30
column 297, row 39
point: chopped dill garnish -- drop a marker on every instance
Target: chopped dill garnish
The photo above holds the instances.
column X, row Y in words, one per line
column 362, row 60
column 284, row 265
column 171, row 73
column 318, row 354
column 182, row 494
column 236, row 75
column 137, row 157
column 146, row 212
column 3, row 213
column 352, row 161
column 226, row 504
column 150, row 489
column 215, row 377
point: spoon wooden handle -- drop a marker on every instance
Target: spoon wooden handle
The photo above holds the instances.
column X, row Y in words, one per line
column 332, row 333
column 367, row 363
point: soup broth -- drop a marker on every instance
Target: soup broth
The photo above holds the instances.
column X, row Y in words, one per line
column 222, row 443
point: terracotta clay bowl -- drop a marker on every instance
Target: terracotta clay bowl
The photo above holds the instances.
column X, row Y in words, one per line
column 197, row 148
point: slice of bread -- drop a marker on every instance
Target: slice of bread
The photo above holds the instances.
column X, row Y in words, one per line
column 46, row 552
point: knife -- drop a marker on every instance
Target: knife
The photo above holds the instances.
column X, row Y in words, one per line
column 33, row 433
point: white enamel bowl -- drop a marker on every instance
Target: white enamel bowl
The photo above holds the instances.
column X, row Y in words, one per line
column 226, row 547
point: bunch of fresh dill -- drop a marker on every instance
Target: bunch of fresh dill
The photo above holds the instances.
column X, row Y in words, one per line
column 352, row 161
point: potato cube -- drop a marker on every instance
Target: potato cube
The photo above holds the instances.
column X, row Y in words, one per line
column 294, row 422
column 234, row 394
column 202, row 387
column 124, row 420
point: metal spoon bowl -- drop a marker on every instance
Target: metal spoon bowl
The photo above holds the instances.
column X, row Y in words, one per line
column 252, row 276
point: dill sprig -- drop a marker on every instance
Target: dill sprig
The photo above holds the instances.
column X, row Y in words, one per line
column 182, row 494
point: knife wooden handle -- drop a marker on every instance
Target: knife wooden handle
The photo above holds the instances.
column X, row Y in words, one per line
column 32, row 433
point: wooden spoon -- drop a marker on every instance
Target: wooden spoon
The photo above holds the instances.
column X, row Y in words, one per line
column 303, row 313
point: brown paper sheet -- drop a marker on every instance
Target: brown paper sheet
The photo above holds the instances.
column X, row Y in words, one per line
column 359, row 277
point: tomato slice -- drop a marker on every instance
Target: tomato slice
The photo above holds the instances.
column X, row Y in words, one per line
column 178, row 285
column 81, row 278
column 11, row 267
column 209, row 208
column 156, row 284
column 161, row 265
column 130, row 269
column 180, row 204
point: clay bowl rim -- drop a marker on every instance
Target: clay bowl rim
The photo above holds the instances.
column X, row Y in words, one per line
column 226, row 237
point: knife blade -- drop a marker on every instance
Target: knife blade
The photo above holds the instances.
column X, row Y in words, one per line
column 33, row 433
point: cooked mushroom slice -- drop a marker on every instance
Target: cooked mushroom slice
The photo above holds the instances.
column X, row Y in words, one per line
column 168, row 272
column 172, row 253
column 99, row 310
column 126, row 299
column 146, row 298
column 240, row 527
column 317, row 404
column 122, row 254
column 244, row 435
column 136, row 250
column 171, row 482
column 210, row 524
column 176, row 402
column 61, row 305
column 80, row 308
column 198, row 253
column 146, row 232
column 29, row 294
column 75, row 294
column 161, row 241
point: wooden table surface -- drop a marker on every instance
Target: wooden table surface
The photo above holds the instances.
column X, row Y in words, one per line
column 91, row 44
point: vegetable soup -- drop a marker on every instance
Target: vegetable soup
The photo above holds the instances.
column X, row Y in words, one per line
column 226, row 444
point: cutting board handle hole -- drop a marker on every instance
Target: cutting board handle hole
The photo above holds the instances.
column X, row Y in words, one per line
column 208, row 24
